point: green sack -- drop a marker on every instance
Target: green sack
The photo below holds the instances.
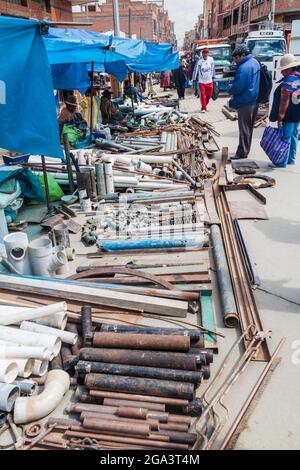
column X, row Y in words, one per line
column 73, row 133
column 55, row 191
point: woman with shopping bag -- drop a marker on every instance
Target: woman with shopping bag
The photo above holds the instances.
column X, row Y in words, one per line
column 281, row 143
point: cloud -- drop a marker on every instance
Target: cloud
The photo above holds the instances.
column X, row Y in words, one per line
column 184, row 13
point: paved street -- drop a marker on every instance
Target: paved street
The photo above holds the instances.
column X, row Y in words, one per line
column 274, row 247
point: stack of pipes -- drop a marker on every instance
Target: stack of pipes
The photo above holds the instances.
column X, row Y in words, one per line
column 30, row 343
column 138, row 385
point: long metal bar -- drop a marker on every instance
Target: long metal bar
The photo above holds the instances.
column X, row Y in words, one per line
column 69, row 162
column 46, row 183
column 251, row 397
column 246, row 305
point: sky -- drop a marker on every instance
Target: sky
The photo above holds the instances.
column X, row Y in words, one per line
column 184, row 13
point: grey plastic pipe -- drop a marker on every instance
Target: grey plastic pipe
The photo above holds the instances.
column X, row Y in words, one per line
column 65, row 336
column 8, row 395
column 11, row 318
column 27, row 387
column 28, row 409
column 8, row 371
column 29, row 338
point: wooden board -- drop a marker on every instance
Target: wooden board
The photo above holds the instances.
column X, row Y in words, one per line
column 73, row 290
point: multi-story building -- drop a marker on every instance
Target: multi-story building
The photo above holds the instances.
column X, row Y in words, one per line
column 55, row 10
column 144, row 19
column 235, row 18
column 189, row 38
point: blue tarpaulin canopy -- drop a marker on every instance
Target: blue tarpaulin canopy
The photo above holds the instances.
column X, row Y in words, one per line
column 109, row 54
column 28, row 122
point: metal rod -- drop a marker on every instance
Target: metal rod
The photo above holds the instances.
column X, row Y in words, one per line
column 163, row 359
column 136, row 397
column 84, row 367
column 141, row 341
column 126, row 384
column 92, row 107
column 46, row 183
column 69, row 162
column 230, row 315
column 250, row 398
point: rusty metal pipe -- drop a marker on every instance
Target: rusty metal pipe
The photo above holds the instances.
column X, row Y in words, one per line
column 126, row 440
column 141, row 341
column 85, row 367
column 87, row 326
column 119, row 427
column 154, row 424
column 180, row 427
column 194, row 408
column 180, row 437
column 138, row 404
column 72, row 327
column 136, row 397
column 82, row 394
column 68, row 359
column 155, row 387
column 163, row 359
column 195, row 335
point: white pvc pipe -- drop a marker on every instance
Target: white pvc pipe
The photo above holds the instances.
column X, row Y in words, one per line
column 25, row 366
column 8, row 371
column 11, row 318
column 29, row 338
column 40, row 368
column 65, row 336
column 58, row 320
column 9, row 350
column 37, row 407
column 8, row 395
column 108, row 172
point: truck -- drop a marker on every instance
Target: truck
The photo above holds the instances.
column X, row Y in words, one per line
column 265, row 44
column 220, row 51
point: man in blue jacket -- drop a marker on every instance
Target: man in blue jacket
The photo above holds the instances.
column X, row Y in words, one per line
column 245, row 90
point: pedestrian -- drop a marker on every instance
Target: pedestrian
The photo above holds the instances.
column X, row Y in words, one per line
column 165, row 80
column 286, row 105
column 204, row 74
column 245, row 90
column 179, row 79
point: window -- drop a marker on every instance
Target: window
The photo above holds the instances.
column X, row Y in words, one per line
column 245, row 12
column 227, row 22
column 18, row 2
column 236, row 16
column 154, row 26
column 257, row 2
column 91, row 7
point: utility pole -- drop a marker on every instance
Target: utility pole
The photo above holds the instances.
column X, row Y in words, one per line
column 117, row 30
column 129, row 22
column 273, row 9
column 147, row 22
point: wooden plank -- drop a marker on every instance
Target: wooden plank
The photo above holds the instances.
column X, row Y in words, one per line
column 210, row 204
column 179, row 258
column 90, row 294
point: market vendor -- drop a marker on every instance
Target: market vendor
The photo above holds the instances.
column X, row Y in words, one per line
column 70, row 115
column 110, row 113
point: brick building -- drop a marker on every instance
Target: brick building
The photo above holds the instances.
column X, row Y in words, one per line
column 235, row 18
column 55, row 10
column 145, row 20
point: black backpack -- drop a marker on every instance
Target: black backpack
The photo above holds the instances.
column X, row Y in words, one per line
column 265, row 84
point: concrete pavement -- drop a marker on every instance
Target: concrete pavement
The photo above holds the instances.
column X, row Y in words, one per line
column 274, row 422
